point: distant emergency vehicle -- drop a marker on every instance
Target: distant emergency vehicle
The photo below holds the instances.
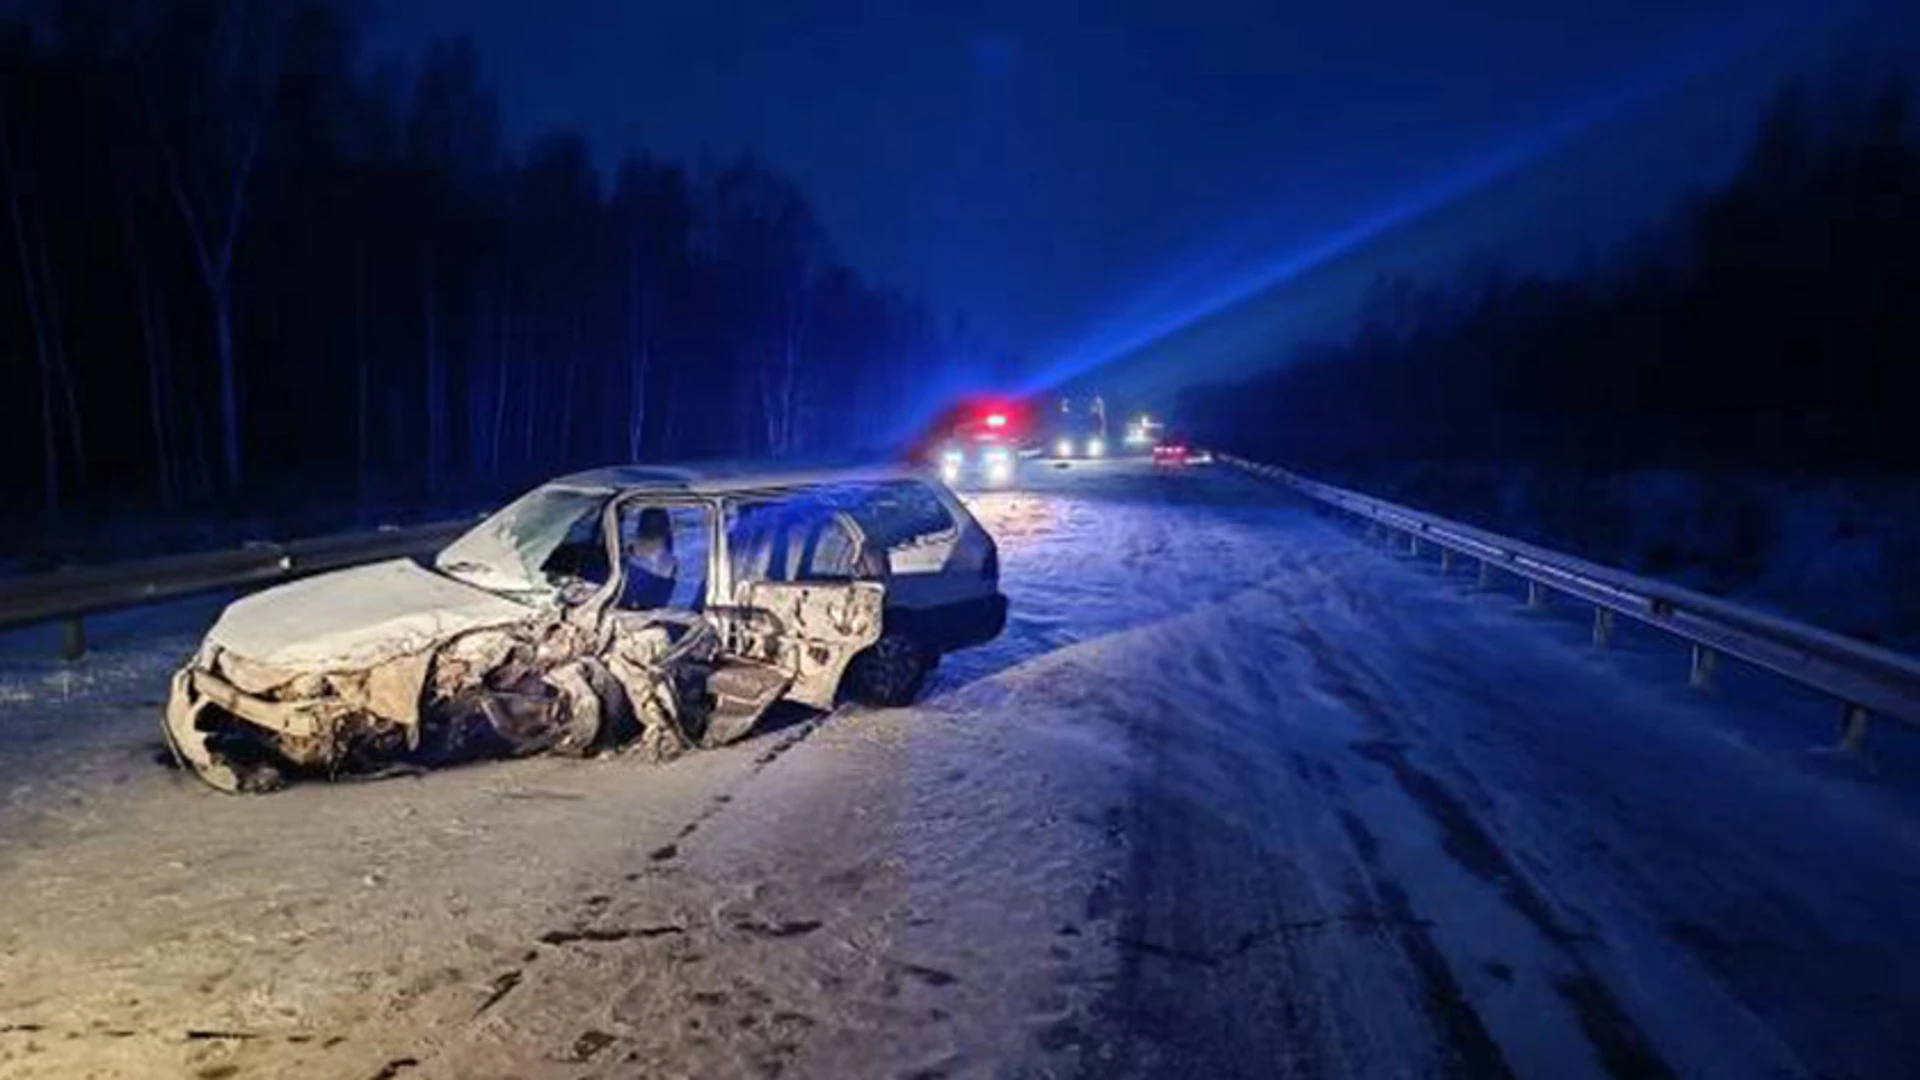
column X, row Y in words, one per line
column 978, row 442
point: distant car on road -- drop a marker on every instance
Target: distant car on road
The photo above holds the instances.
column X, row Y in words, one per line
column 666, row 608
column 1175, row 451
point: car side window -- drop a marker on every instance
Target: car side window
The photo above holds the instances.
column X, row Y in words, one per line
column 901, row 512
column 804, row 538
column 757, row 541
column 831, row 553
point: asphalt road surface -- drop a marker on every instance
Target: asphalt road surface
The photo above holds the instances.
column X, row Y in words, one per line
column 1237, row 794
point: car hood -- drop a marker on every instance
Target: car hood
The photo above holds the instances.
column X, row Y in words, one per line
column 358, row 617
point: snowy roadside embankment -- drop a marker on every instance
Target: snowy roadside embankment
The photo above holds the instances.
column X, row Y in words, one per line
column 1841, row 553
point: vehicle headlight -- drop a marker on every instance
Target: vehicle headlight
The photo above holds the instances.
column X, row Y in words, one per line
column 999, row 464
column 1096, row 447
column 1063, row 448
column 954, row 457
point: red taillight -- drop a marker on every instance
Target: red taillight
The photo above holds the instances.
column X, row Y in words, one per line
column 997, row 420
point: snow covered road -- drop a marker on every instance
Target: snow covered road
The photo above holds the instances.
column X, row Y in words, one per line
column 1237, row 794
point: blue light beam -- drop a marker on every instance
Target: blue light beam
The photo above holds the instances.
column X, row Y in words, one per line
column 1649, row 85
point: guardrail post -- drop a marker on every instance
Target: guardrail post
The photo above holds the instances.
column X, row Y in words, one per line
column 1413, row 544
column 1486, row 574
column 1536, row 595
column 1446, row 560
column 73, row 637
column 1602, row 627
column 1705, row 660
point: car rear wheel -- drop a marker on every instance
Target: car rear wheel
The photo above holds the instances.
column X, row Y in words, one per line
column 890, row 673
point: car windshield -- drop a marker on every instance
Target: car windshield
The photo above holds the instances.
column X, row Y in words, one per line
column 507, row 553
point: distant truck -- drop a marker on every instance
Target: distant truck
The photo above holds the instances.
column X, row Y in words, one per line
column 1080, row 431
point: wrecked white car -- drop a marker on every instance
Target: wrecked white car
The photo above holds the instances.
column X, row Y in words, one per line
column 657, row 609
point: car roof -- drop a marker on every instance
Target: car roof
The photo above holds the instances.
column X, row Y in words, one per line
column 722, row 477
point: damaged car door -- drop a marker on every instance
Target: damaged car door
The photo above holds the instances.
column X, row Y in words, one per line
column 747, row 641
column 804, row 598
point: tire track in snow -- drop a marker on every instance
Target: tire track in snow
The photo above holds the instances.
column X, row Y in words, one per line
column 1232, row 911
column 1198, row 848
column 1646, row 801
column 1622, row 1048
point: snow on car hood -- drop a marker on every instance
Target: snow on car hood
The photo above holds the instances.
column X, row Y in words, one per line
column 358, row 617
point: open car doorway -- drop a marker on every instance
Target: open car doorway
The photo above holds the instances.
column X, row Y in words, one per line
column 665, row 553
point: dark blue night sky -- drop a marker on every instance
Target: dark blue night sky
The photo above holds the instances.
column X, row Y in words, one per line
column 1082, row 177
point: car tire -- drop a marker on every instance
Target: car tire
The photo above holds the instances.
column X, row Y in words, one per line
column 891, row 672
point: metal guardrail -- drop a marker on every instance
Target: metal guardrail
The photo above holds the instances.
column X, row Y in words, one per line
column 71, row 595
column 1866, row 679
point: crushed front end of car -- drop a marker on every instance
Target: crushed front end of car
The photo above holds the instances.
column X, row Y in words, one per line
column 390, row 668
column 533, row 687
column 241, row 725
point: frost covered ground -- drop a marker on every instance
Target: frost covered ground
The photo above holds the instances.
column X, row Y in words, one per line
column 1236, row 795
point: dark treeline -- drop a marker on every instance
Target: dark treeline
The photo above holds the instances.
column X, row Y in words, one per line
column 241, row 269
column 1775, row 325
